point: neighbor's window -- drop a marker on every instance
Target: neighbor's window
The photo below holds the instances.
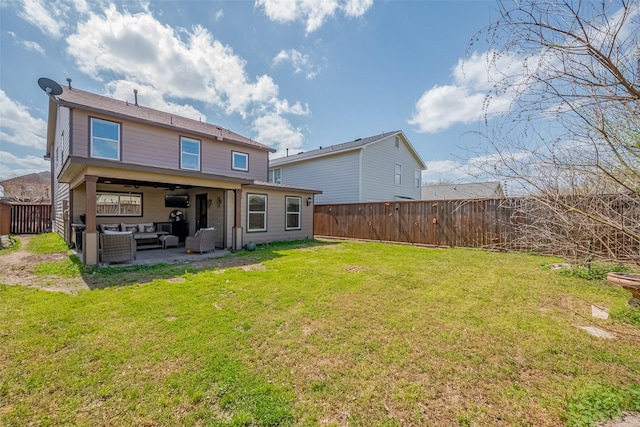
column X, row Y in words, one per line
column 256, row 212
column 105, row 139
column 416, row 178
column 397, row 142
column 240, row 161
column 293, row 212
column 189, row 154
column 398, row 175
column 116, row 204
column 275, row 175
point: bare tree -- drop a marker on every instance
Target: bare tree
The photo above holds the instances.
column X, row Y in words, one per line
column 32, row 188
column 571, row 137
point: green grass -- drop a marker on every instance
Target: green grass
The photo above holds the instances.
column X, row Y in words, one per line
column 336, row 333
column 68, row 267
column 46, row 243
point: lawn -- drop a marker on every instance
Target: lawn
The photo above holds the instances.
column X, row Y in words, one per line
column 332, row 333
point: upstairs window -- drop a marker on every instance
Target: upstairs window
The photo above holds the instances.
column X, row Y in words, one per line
column 256, row 212
column 398, row 174
column 397, row 142
column 189, row 154
column 275, row 175
column 239, row 161
column 293, row 212
column 416, row 178
column 105, row 139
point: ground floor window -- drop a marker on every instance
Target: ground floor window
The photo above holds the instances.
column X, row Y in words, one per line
column 256, row 212
column 293, row 213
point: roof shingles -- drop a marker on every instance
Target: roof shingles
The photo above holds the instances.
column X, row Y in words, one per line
column 98, row 103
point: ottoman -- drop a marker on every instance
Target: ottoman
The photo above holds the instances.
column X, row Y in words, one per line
column 169, row 240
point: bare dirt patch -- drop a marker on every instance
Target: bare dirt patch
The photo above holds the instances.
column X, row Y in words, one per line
column 17, row 268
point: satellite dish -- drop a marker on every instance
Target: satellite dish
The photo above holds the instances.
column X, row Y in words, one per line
column 49, row 86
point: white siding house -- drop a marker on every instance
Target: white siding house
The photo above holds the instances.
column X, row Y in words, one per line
column 378, row 168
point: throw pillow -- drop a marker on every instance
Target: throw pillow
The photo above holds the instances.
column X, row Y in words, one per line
column 149, row 229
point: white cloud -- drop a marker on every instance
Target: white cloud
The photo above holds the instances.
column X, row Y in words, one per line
column 273, row 130
column 448, row 170
column 466, row 100
column 28, row 45
column 46, row 17
column 166, row 64
column 301, row 63
column 18, row 126
column 479, row 168
column 12, row 166
column 219, row 15
column 312, row 12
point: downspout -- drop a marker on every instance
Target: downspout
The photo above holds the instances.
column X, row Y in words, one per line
column 360, row 175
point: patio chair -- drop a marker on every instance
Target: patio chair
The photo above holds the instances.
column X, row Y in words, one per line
column 117, row 247
column 203, row 241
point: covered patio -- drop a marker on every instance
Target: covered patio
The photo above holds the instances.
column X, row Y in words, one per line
column 166, row 256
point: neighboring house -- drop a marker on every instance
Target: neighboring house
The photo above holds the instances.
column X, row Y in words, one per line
column 31, row 188
column 473, row 190
column 378, row 168
column 119, row 162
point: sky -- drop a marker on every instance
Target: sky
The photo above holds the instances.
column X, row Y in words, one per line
column 292, row 74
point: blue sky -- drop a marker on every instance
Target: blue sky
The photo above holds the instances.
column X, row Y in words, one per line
column 294, row 74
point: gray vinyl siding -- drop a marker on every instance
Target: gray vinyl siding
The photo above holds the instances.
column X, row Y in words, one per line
column 276, row 217
column 63, row 136
column 336, row 176
column 147, row 145
column 60, row 152
column 378, row 171
column 60, row 193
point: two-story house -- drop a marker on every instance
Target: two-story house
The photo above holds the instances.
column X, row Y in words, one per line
column 378, row 168
column 114, row 161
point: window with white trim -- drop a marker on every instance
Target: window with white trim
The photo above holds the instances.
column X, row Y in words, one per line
column 416, row 178
column 105, row 139
column 397, row 141
column 398, row 174
column 189, row 154
column 118, row 204
column 256, row 212
column 239, row 161
column 275, row 175
column 294, row 206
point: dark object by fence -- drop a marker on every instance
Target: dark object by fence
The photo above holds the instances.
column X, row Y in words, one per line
column 5, row 219
column 30, row 219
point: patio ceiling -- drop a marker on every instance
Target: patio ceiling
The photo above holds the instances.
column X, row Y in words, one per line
column 138, row 184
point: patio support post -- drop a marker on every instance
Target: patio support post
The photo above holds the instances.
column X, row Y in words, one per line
column 237, row 221
column 90, row 238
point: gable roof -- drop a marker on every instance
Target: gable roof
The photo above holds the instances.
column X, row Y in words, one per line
column 473, row 190
column 75, row 98
column 34, row 178
column 357, row 144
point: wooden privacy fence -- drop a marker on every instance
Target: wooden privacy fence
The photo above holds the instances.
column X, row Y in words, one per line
column 517, row 223
column 465, row 223
column 27, row 219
